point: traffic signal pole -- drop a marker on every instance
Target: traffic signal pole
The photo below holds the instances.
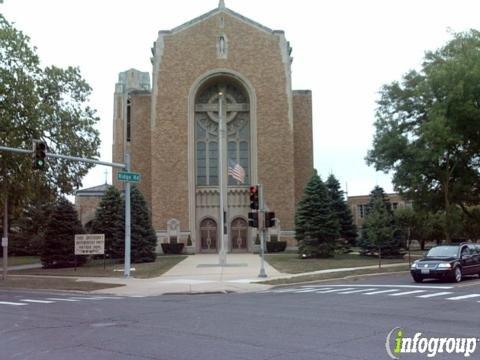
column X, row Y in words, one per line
column 85, row 160
column 261, row 228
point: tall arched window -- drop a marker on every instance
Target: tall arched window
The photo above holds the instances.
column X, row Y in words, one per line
column 206, row 131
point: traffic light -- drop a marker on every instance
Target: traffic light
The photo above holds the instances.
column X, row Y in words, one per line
column 269, row 219
column 253, row 219
column 254, row 197
column 39, row 154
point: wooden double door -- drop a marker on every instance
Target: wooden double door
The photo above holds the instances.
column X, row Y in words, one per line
column 209, row 235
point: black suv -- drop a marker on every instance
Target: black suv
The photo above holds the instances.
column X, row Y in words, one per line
column 449, row 262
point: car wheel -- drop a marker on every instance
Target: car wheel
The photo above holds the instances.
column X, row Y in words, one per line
column 457, row 274
column 417, row 278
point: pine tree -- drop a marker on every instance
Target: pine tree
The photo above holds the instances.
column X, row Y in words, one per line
column 348, row 230
column 143, row 237
column 108, row 218
column 316, row 225
column 379, row 225
column 59, row 243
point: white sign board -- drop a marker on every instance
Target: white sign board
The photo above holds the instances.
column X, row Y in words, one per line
column 4, row 241
column 90, row 244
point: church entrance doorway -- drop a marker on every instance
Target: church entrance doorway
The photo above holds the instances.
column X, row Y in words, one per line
column 238, row 235
column 208, row 235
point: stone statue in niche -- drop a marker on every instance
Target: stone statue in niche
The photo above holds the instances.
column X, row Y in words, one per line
column 221, row 46
column 173, row 229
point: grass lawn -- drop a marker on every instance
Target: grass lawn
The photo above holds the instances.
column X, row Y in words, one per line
column 290, row 263
column 95, row 268
column 338, row 275
column 20, row 260
column 51, row 283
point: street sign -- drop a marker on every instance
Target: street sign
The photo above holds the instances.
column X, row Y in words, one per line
column 90, row 244
column 4, row 241
column 128, row 176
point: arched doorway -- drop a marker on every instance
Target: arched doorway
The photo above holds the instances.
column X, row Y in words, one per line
column 208, row 235
column 238, row 235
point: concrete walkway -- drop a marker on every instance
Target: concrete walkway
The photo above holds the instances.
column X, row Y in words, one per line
column 198, row 274
column 202, row 274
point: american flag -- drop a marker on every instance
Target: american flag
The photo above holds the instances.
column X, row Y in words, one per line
column 236, row 171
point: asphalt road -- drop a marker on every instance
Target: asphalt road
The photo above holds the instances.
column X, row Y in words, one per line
column 299, row 322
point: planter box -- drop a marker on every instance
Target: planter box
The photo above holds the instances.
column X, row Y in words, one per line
column 276, row 246
column 172, row 248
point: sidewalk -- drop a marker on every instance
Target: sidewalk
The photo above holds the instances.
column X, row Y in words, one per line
column 202, row 274
column 198, row 274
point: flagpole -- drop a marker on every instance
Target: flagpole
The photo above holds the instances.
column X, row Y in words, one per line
column 222, row 132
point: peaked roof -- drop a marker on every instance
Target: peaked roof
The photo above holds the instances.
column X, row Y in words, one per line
column 95, row 190
column 221, row 8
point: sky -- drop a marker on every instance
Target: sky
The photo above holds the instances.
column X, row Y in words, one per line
column 344, row 51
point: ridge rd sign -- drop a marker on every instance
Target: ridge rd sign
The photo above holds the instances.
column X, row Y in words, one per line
column 128, row 176
column 90, row 244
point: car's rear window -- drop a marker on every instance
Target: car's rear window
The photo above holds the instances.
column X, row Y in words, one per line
column 443, row 251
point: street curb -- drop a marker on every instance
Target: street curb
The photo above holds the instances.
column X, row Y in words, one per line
column 333, row 279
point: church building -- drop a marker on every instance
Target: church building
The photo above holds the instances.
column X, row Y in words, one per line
column 218, row 64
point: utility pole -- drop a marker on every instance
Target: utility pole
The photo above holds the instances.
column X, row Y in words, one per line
column 5, row 235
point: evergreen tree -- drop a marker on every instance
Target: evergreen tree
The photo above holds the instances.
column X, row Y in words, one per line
column 59, row 243
column 316, row 225
column 108, row 217
column 379, row 225
column 30, row 226
column 143, row 237
column 348, row 230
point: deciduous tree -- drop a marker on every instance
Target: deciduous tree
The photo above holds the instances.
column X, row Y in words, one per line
column 428, row 129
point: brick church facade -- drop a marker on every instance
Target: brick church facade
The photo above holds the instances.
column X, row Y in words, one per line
column 169, row 123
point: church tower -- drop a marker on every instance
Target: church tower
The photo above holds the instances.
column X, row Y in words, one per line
column 172, row 129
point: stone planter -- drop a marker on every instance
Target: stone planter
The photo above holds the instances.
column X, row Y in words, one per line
column 276, row 246
column 172, row 248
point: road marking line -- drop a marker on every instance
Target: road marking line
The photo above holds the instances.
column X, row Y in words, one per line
column 435, row 294
column 356, row 291
column 283, row 290
column 11, row 303
column 304, row 291
column 37, row 301
column 390, row 286
column 464, row 297
column 407, row 293
column 381, row 292
column 87, row 298
column 60, row 299
column 331, row 291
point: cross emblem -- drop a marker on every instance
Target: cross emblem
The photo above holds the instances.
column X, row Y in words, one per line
column 230, row 109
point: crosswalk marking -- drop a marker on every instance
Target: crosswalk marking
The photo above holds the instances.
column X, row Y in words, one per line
column 331, row 291
column 356, row 291
column 37, row 301
column 407, row 293
column 281, row 290
column 11, row 303
column 87, row 298
column 304, row 291
column 435, row 294
column 62, row 299
column 381, row 292
column 469, row 296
